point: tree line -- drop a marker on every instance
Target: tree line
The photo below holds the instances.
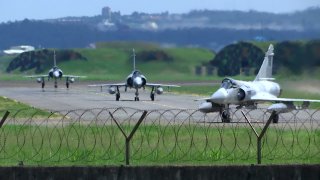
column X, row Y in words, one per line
column 294, row 57
column 50, row 35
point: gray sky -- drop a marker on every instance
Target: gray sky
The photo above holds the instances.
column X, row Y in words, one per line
column 12, row 10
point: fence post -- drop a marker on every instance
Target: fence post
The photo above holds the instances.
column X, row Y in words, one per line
column 128, row 138
column 4, row 118
column 259, row 137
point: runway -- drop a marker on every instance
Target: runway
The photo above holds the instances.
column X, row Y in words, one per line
column 80, row 96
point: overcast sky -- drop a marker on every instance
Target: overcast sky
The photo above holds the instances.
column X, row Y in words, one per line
column 12, row 10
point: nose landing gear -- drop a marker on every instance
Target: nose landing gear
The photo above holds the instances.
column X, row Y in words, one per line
column 137, row 95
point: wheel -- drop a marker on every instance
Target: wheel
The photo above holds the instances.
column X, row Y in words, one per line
column 152, row 97
column 55, row 86
column 137, row 98
column 225, row 117
column 67, row 84
column 117, row 97
column 275, row 118
column 42, row 85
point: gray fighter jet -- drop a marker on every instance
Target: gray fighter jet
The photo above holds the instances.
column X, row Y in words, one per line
column 135, row 80
column 55, row 73
column 248, row 94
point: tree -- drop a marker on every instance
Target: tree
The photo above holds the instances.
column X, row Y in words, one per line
column 236, row 57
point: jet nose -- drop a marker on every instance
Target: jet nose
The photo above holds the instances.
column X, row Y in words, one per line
column 56, row 74
column 205, row 107
column 219, row 96
column 137, row 82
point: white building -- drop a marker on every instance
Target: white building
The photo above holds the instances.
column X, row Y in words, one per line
column 19, row 49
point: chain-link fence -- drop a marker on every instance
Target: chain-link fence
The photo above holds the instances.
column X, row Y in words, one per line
column 173, row 136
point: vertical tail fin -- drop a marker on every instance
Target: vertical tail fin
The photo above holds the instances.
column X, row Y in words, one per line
column 54, row 59
column 265, row 72
column 134, row 59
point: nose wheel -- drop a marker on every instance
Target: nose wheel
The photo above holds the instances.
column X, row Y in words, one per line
column 55, row 84
column 275, row 118
column 137, row 96
column 225, row 114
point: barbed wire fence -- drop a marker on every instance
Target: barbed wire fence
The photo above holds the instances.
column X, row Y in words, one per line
column 172, row 136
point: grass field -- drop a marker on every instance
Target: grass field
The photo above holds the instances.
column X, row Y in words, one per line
column 153, row 145
column 113, row 61
column 20, row 110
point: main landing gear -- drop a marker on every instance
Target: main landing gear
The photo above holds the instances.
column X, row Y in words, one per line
column 117, row 94
column 152, row 94
column 226, row 117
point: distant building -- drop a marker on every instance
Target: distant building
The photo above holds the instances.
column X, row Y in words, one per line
column 106, row 13
column 19, row 49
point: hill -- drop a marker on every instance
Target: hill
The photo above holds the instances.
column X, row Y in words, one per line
column 208, row 29
column 109, row 62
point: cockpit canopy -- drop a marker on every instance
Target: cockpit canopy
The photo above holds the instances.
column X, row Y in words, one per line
column 136, row 73
column 228, row 83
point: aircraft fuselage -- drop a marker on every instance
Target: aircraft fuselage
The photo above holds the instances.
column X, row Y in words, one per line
column 55, row 73
column 136, row 80
column 240, row 92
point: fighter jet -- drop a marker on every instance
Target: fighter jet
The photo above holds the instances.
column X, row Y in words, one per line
column 135, row 80
column 247, row 94
column 55, row 73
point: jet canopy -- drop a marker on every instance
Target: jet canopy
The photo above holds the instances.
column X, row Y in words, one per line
column 228, row 83
column 136, row 73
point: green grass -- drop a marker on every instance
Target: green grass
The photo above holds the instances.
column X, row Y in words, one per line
column 128, row 45
column 196, row 90
column 153, row 145
column 21, row 110
column 113, row 61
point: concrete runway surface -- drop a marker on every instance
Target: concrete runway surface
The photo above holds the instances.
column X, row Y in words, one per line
column 80, row 96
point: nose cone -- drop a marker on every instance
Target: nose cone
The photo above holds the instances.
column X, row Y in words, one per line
column 219, row 96
column 137, row 82
column 205, row 107
column 56, row 74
